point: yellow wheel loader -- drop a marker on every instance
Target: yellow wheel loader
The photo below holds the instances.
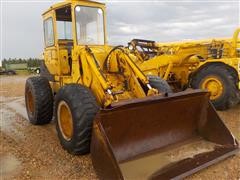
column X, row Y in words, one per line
column 132, row 124
column 204, row 64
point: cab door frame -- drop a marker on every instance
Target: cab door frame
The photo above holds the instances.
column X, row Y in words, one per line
column 51, row 51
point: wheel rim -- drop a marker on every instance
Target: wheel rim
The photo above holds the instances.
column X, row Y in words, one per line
column 214, row 86
column 65, row 121
column 30, row 102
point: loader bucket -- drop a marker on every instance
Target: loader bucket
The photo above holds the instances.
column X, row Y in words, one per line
column 159, row 137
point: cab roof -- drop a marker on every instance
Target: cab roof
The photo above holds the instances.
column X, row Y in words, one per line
column 69, row 2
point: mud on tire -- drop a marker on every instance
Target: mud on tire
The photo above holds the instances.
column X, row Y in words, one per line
column 39, row 100
column 83, row 108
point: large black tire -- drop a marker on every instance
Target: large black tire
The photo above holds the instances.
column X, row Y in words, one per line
column 230, row 94
column 83, row 107
column 161, row 85
column 39, row 100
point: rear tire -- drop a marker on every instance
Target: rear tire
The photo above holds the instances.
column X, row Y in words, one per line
column 158, row 83
column 221, row 83
column 75, row 110
column 39, row 100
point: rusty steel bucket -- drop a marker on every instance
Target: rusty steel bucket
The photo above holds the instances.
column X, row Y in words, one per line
column 159, row 137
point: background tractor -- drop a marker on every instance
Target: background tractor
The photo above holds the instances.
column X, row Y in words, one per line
column 205, row 64
column 103, row 103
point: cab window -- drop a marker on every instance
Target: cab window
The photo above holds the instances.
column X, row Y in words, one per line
column 64, row 30
column 48, row 32
column 64, row 23
column 89, row 25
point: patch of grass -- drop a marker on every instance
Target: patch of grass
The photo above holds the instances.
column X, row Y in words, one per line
column 22, row 72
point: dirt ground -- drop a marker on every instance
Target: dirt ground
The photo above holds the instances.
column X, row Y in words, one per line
column 31, row 152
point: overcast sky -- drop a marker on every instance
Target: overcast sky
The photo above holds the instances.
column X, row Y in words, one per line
column 22, row 32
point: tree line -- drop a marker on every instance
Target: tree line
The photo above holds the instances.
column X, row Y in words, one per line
column 31, row 62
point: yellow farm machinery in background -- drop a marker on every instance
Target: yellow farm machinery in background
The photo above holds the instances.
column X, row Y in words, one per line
column 212, row 64
column 103, row 103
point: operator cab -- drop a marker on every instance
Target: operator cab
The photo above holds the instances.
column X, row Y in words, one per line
column 63, row 29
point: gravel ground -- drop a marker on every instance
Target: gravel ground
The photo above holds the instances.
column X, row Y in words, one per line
column 30, row 152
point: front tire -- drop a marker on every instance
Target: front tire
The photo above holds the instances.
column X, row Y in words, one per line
column 38, row 100
column 158, row 83
column 221, row 84
column 75, row 110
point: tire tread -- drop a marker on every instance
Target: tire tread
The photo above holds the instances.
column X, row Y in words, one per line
column 43, row 100
column 84, row 108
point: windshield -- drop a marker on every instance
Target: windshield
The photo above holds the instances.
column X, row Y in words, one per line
column 89, row 25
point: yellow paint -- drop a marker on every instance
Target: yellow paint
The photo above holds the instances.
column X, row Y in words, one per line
column 65, row 120
column 214, row 86
column 183, row 58
column 119, row 82
column 117, row 77
column 30, row 101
